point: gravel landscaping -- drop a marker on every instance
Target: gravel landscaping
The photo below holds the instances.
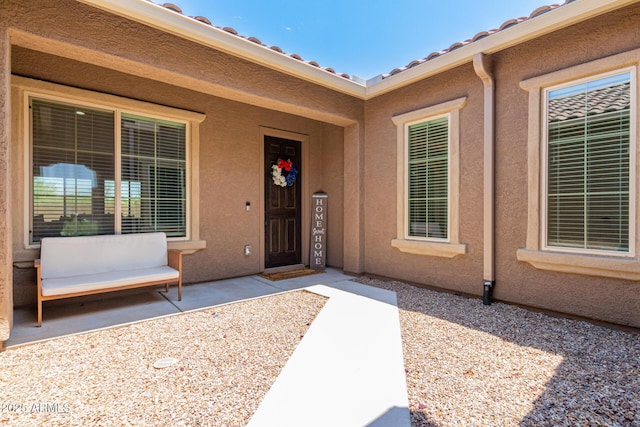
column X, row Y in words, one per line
column 226, row 359
column 473, row 365
column 466, row 365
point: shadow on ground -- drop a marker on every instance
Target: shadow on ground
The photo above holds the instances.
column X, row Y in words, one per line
column 595, row 383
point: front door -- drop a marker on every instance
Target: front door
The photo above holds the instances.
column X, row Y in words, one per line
column 282, row 195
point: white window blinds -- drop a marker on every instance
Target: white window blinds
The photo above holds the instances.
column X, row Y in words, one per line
column 153, row 176
column 75, row 189
column 428, row 182
column 72, row 162
column 588, row 165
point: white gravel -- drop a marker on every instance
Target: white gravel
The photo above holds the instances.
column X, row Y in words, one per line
column 473, row 365
column 227, row 359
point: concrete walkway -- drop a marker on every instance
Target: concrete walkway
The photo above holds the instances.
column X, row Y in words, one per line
column 347, row 371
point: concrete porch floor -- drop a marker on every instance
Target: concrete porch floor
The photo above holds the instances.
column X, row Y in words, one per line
column 347, row 371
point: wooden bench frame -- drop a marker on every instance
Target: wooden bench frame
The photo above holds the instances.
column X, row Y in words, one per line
column 174, row 258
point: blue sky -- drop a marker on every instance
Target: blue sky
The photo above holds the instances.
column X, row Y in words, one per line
column 363, row 38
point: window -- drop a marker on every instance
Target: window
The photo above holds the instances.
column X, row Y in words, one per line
column 82, row 155
column 588, row 165
column 428, row 181
column 582, row 181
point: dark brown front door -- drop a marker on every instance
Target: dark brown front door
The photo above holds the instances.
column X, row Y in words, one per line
column 282, row 202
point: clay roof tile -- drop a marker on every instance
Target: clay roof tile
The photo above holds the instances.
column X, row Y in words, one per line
column 172, row 6
column 202, row 19
column 230, row 30
column 540, row 11
column 509, row 23
column 455, row 46
column 481, row 35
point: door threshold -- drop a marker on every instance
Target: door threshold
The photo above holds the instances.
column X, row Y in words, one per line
column 283, row 268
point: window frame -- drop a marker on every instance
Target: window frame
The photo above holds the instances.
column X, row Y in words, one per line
column 407, row 226
column 31, row 89
column 450, row 246
column 545, row 167
column 625, row 265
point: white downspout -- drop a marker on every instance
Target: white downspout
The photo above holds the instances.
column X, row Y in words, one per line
column 482, row 68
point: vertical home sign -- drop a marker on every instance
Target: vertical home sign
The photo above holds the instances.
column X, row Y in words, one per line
column 318, row 231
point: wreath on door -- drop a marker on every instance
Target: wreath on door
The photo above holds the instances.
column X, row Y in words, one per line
column 284, row 173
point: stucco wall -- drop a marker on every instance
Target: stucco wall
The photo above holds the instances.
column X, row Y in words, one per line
column 230, row 144
column 616, row 301
column 6, row 298
column 610, row 300
column 463, row 272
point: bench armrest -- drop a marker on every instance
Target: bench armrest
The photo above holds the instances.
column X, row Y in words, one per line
column 175, row 259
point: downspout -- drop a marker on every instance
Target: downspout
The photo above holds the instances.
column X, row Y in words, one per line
column 482, row 68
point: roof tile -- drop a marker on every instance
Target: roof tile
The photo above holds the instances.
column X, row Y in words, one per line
column 507, row 24
column 172, row 6
column 481, row 35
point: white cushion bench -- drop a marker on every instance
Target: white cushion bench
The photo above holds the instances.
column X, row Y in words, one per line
column 76, row 266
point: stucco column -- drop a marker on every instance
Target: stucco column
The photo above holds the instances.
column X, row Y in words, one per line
column 6, row 272
column 353, row 199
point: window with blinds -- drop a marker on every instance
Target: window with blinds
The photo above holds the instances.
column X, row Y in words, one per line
column 72, row 164
column 428, row 179
column 588, row 165
column 153, row 185
column 75, row 189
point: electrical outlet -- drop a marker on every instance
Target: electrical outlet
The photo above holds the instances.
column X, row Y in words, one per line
column 247, row 250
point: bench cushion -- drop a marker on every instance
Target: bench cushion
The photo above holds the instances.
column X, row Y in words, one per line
column 112, row 279
column 88, row 255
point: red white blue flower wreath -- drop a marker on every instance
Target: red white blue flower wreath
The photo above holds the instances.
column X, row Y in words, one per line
column 277, row 175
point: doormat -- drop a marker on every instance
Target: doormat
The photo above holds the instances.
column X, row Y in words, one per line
column 291, row 274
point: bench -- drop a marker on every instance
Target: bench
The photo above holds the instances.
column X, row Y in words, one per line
column 85, row 265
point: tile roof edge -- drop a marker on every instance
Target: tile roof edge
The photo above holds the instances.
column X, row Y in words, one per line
column 541, row 21
column 169, row 18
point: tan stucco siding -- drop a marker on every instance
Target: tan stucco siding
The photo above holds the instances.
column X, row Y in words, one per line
column 236, row 97
column 611, row 300
column 116, row 43
column 6, row 279
column 462, row 272
column 229, row 163
column 616, row 301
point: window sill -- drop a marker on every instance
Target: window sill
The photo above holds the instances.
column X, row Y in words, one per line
column 591, row 265
column 441, row 249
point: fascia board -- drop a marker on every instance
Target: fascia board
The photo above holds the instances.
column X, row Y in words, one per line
column 553, row 20
column 157, row 16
